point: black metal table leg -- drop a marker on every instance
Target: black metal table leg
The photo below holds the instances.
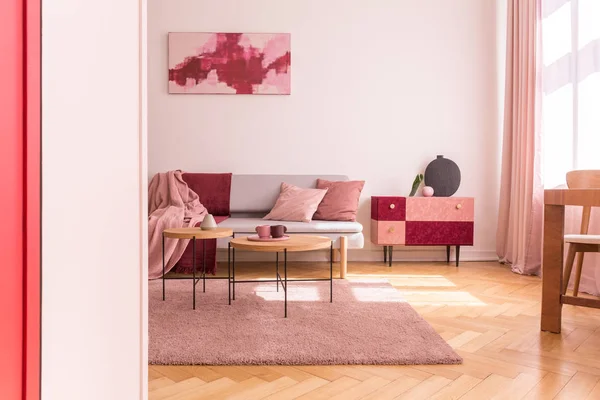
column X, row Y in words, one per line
column 390, row 251
column 457, row 254
column 448, row 254
column 233, row 269
column 194, row 271
column 277, row 269
column 229, row 272
column 385, row 254
column 195, row 278
column 285, row 287
column 204, row 266
column 331, row 273
column 163, row 259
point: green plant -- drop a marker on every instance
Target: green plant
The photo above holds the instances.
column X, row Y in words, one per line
column 416, row 184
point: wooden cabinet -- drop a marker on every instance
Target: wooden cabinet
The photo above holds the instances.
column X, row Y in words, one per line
column 422, row 221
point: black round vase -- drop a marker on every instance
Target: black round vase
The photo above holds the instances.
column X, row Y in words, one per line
column 443, row 175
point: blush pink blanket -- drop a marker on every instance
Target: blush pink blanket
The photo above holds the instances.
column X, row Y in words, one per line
column 171, row 204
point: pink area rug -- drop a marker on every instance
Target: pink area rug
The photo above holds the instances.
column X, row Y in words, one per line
column 367, row 323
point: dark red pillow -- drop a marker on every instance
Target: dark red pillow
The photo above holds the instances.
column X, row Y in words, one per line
column 214, row 190
column 341, row 200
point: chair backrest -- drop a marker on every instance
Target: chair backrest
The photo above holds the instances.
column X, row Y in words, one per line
column 584, row 179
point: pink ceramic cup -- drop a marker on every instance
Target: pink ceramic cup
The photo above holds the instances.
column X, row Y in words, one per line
column 264, row 231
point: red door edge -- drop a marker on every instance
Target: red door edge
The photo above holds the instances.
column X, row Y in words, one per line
column 11, row 199
column 20, row 202
column 32, row 195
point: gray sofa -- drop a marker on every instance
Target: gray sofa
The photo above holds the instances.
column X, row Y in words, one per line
column 253, row 196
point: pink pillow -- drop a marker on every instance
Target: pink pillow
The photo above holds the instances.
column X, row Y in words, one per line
column 296, row 204
column 341, row 201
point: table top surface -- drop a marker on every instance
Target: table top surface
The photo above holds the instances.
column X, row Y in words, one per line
column 574, row 197
column 294, row 243
column 190, row 233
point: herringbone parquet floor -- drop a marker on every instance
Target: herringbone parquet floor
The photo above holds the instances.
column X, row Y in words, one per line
column 488, row 314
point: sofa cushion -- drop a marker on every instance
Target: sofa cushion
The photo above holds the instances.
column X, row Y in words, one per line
column 248, row 225
column 341, row 200
column 214, row 190
column 296, row 204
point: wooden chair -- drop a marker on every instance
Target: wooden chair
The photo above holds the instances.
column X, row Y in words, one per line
column 582, row 243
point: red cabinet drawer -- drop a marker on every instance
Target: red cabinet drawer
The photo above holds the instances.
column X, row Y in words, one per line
column 440, row 209
column 388, row 208
column 423, row 233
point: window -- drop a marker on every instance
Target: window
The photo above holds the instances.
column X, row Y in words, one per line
column 571, row 87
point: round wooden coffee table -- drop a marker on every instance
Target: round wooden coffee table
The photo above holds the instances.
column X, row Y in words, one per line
column 295, row 243
column 194, row 234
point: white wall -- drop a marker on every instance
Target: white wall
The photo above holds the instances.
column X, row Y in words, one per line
column 379, row 88
column 94, row 180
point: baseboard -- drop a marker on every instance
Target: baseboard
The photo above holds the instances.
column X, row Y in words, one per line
column 371, row 255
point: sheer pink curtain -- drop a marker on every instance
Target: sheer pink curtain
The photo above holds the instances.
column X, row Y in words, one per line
column 519, row 235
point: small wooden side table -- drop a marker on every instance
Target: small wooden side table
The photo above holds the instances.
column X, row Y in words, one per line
column 293, row 244
column 194, row 234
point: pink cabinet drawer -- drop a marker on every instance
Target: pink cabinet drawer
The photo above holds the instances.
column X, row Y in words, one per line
column 440, row 209
column 387, row 232
column 388, row 208
column 423, row 233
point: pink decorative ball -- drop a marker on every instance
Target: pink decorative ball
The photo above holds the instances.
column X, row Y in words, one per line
column 427, row 191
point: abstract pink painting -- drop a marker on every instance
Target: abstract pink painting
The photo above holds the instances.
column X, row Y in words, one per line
column 229, row 63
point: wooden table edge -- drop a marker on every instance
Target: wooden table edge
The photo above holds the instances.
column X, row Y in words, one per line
column 572, row 197
column 242, row 243
column 199, row 234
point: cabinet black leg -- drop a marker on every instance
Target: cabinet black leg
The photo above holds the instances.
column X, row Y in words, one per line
column 385, row 254
column 457, row 254
column 447, row 254
column 391, row 251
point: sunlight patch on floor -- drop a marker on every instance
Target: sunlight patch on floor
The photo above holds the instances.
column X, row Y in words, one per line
column 441, row 298
column 409, row 280
column 377, row 295
column 421, row 281
column 367, row 279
